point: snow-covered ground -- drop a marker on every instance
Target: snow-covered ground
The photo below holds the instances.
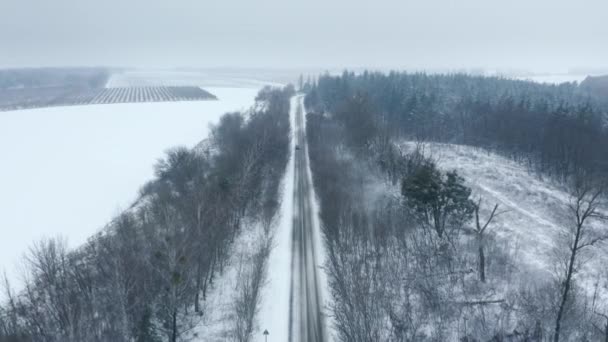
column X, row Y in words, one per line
column 274, row 311
column 217, row 323
column 68, row 170
column 209, row 78
column 537, row 209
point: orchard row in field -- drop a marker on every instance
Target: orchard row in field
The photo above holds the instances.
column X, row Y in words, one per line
column 12, row 99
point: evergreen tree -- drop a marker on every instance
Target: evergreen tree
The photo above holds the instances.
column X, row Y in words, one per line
column 439, row 200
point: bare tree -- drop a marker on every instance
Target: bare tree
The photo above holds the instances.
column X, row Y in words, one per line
column 9, row 326
column 479, row 231
column 172, row 265
column 584, row 207
column 250, row 280
column 602, row 327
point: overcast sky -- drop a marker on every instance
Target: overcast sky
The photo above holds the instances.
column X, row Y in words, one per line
column 552, row 35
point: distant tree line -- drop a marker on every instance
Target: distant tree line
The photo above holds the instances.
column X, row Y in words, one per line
column 597, row 86
column 559, row 130
column 145, row 277
column 412, row 254
column 53, row 77
column 42, row 87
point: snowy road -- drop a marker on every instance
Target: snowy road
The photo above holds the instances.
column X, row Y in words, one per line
column 307, row 323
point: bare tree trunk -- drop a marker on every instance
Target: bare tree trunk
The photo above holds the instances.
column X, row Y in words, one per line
column 567, row 284
column 174, row 327
column 584, row 206
column 480, row 230
column 198, row 287
column 482, row 262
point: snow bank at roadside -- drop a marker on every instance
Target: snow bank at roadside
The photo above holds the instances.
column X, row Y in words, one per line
column 321, row 255
column 274, row 311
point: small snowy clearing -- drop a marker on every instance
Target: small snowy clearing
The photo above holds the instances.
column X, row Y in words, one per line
column 537, row 209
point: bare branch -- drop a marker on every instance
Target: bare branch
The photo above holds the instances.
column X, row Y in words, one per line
column 592, row 242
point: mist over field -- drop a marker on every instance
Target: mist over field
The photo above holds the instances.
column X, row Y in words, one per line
column 303, row 171
column 542, row 36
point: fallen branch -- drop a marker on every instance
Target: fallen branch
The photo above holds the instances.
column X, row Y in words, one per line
column 481, row 302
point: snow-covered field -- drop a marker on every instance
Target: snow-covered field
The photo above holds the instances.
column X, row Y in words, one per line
column 68, row 170
column 537, row 209
column 209, row 78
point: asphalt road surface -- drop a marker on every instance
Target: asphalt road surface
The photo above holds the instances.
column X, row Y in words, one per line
column 306, row 319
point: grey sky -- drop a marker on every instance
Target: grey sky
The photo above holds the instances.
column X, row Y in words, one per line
column 533, row 34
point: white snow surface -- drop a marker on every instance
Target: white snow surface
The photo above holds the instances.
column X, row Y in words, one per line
column 537, row 209
column 68, row 170
column 209, row 78
column 274, row 311
column 219, row 306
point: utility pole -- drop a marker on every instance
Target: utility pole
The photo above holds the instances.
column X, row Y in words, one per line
column 266, row 333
